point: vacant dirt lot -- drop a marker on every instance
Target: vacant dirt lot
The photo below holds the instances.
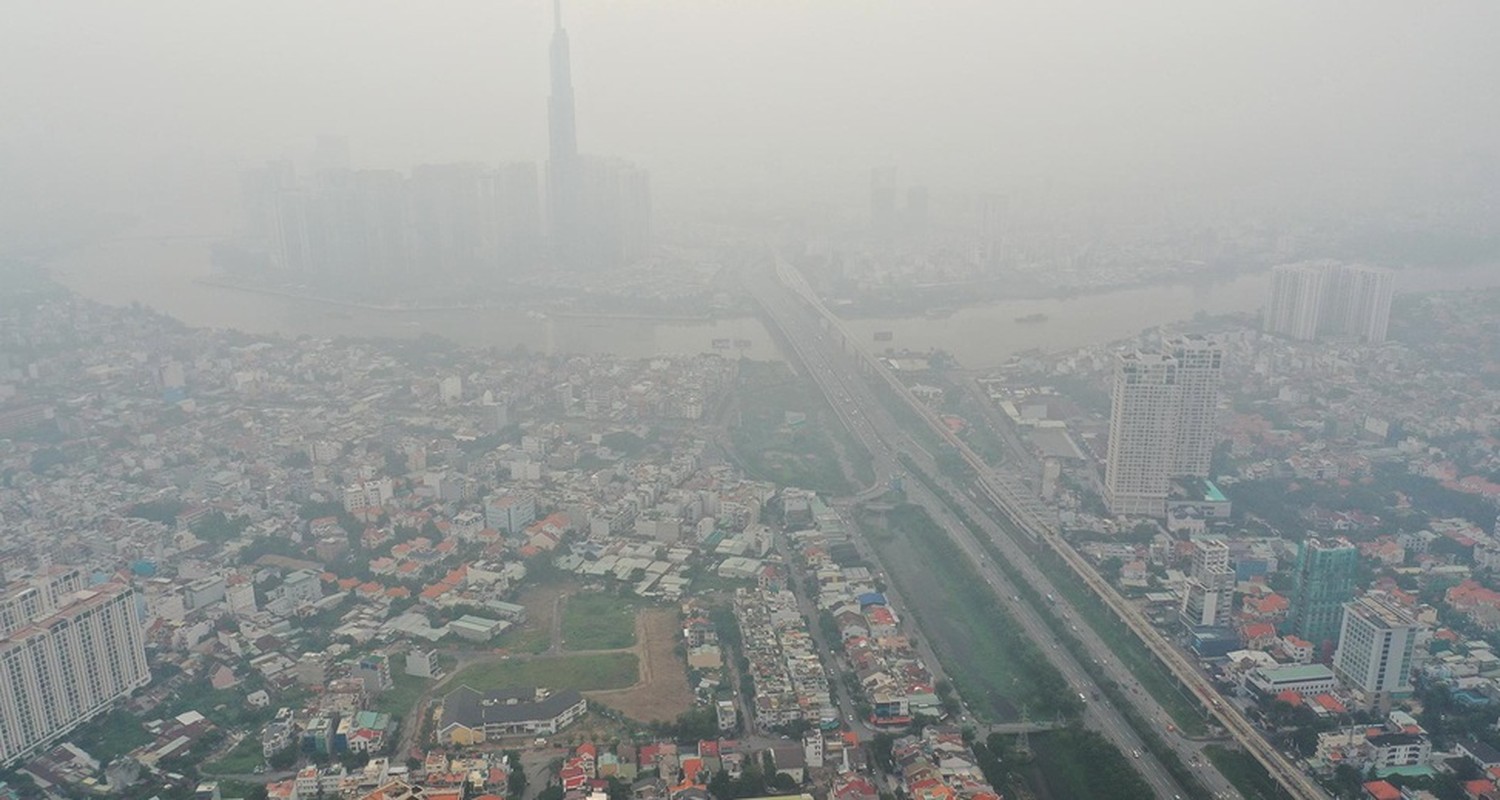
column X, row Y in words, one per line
column 662, row 692
column 541, row 631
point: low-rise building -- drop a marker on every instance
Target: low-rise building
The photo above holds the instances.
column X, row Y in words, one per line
column 471, row 717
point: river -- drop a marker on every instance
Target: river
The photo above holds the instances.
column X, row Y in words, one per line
column 169, row 277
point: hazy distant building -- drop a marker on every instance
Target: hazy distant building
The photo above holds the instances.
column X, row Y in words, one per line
column 1377, row 645
column 1361, row 305
column 1322, row 581
column 598, row 209
column 1296, row 299
column 883, row 214
column 1163, row 423
column 916, row 210
column 1325, row 298
column 73, row 658
column 276, row 213
column 455, row 222
column 992, row 212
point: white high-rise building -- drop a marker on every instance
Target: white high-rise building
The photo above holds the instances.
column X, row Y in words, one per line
column 1163, row 423
column 1208, row 597
column 1142, row 430
column 1364, row 297
column 25, row 600
column 67, row 665
column 1327, row 298
column 1377, row 644
column 1296, row 300
column 1200, row 370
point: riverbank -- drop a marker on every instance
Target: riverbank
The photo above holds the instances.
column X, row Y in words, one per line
column 941, row 300
column 533, row 313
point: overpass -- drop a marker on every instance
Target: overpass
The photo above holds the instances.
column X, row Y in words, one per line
column 1025, row 511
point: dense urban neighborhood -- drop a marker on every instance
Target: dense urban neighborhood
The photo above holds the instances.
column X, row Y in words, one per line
column 338, row 568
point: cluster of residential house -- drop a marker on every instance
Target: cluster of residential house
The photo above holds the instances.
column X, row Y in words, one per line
column 791, row 681
column 892, row 677
column 938, row 765
column 473, row 776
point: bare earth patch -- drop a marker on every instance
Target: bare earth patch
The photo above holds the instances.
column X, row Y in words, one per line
column 662, row 692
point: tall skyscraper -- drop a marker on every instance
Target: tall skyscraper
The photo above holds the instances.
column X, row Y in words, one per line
column 563, row 168
column 1327, row 298
column 1322, row 581
column 1208, row 598
column 66, row 664
column 598, row 209
column 1163, row 423
column 1377, row 645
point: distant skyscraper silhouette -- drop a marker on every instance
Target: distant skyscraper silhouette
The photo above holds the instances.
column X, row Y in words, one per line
column 564, row 177
column 598, row 209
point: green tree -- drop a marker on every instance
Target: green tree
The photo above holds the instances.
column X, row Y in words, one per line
column 515, row 783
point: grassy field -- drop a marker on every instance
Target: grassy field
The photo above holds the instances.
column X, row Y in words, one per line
column 241, row 759
column 1130, row 650
column 991, row 662
column 1080, row 763
column 601, row 671
column 1242, row 770
column 804, row 455
column 598, row 621
column 526, row 640
column 1147, row 730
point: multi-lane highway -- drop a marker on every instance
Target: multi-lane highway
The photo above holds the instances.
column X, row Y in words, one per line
column 822, row 355
column 837, row 363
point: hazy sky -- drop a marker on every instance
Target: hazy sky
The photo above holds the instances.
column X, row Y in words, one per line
column 969, row 94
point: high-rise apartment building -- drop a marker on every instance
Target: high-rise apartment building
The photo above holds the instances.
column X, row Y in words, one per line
column 1296, row 299
column 1163, row 423
column 1362, row 302
column 23, row 601
column 444, row 221
column 1377, row 644
column 1322, row 581
column 1208, row 597
column 66, row 664
column 1326, row 298
column 1200, row 371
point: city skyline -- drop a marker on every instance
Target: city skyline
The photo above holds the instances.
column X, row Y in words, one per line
column 709, row 401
